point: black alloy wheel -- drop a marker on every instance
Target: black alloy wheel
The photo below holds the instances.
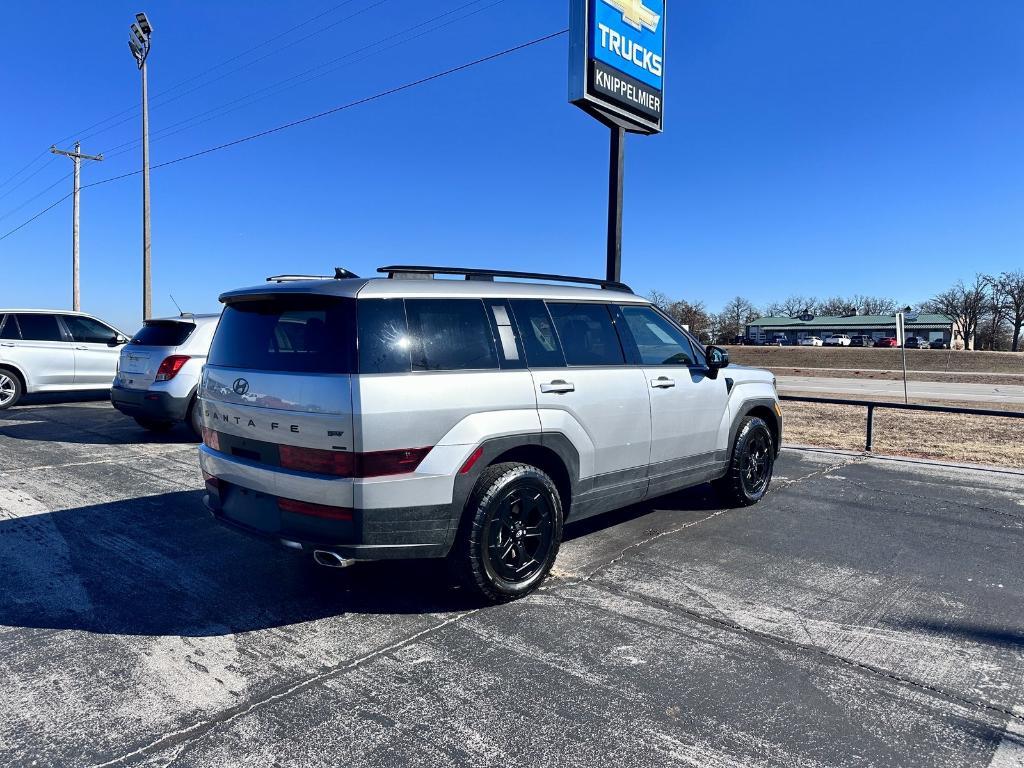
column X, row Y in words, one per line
column 750, row 469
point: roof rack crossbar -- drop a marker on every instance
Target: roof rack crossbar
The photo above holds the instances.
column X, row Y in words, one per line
column 340, row 273
column 489, row 274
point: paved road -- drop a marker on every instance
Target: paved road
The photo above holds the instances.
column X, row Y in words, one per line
column 866, row 613
column 866, row 389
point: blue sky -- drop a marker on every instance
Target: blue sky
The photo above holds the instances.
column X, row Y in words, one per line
column 855, row 146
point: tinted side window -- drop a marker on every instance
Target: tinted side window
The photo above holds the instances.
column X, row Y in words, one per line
column 537, row 333
column 384, row 341
column 87, row 330
column 450, row 335
column 9, row 329
column 40, row 328
column 587, row 334
column 659, row 342
column 304, row 334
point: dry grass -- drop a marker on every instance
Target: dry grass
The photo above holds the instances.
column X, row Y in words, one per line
column 879, row 359
column 945, row 378
column 949, row 437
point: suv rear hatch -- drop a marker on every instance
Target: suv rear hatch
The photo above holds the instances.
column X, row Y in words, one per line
column 278, row 378
column 141, row 358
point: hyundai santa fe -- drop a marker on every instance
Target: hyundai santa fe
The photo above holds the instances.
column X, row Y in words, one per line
column 414, row 416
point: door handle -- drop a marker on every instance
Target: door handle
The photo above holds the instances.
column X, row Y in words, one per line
column 5, row 344
column 663, row 382
column 558, row 386
column 82, row 348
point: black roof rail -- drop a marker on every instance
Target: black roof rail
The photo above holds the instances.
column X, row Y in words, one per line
column 424, row 272
column 340, row 273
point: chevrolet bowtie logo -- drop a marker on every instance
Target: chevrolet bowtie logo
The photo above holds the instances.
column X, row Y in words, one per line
column 636, row 14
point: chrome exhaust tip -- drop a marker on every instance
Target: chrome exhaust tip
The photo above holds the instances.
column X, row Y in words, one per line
column 329, row 559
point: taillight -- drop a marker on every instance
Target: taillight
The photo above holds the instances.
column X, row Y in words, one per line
column 170, row 366
column 346, row 464
column 396, row 462
column 211, row 438
column 322, row 462
column 213, row 484
column 314, row 510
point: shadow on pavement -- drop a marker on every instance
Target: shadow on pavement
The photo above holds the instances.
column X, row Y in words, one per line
column 80, row 429
column 1002, row 637
column 701, row 498
column 61, row 398
column 160, row 565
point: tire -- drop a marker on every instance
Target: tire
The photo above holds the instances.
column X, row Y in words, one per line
column 10, row 389
column 510, row 533
column 194, row 419
column 155, row 426
column 751, row 465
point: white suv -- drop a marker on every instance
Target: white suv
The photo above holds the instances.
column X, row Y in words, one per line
column 365, row 419
column 158, row 373
column 54, row 351
column 837, row 340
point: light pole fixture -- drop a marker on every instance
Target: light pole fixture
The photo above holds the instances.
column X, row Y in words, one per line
column 139, row 42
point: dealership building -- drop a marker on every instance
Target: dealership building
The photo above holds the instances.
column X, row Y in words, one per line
column 928, row 326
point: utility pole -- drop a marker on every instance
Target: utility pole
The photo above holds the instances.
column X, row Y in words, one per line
column 139, row 42
column 77, row 157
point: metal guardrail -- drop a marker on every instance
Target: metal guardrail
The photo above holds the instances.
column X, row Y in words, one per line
column 872, row 404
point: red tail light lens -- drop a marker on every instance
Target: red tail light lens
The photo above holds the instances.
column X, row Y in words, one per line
column 474, row 457
column 380, row 463
column 345, row 464
column 170, row 366
column 339, row 463
column 212, row 483
column 211, row 438
column 314, row 510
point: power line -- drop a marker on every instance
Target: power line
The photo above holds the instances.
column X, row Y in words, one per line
column 301, row 78
column 309, row 118
column 18, row 173
column 160, row 103
column 195, row 77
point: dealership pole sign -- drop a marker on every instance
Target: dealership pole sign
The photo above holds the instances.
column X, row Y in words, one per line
column 617, row 62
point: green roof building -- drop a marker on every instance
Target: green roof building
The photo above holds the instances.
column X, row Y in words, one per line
column 925, row 325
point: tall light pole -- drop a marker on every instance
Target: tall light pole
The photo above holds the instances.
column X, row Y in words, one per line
column 78, row 157
column 139, row 42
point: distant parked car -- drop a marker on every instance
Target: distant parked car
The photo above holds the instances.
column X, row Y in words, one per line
column 888, row 341
column 915, row 342
column 861, row 341
column 778, row 340
column 939, row 344
column 810, row 341
column 837, row 340
column 159, row 370
column 44, row 351
column 741, row 341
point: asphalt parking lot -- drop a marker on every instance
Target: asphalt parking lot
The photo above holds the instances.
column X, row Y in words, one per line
column 868, row 612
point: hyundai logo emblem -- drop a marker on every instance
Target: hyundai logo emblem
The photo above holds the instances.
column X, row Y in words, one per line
column 241, row 386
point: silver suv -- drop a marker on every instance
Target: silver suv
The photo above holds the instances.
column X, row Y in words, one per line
column 389, row 418
column 53, row 351
column 158, row 373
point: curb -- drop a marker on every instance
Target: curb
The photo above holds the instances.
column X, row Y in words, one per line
column 905, row 459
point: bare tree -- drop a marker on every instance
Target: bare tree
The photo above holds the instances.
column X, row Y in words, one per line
column 795, row 306
column 838, row 307
column 659, row 299
column 875, row 305
column 1013, row 287
column 963, row 304
column 693, row 316
column 734, row 317
column 995, row 313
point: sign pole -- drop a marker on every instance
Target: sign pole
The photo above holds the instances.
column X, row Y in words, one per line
column 616, row 174
column 902, row 341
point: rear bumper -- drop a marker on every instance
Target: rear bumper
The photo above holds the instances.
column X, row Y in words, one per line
column 144, row 404
column 377, row 534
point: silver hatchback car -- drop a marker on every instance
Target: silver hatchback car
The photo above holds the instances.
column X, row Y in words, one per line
column 158, row 372
column 55, row 351
column 362, row 419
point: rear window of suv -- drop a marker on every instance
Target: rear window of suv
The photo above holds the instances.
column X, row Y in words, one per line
column 163, row 333
column 301, row 334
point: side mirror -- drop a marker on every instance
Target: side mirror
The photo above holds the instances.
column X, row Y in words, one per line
column 117, row 341
column 718, row 358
